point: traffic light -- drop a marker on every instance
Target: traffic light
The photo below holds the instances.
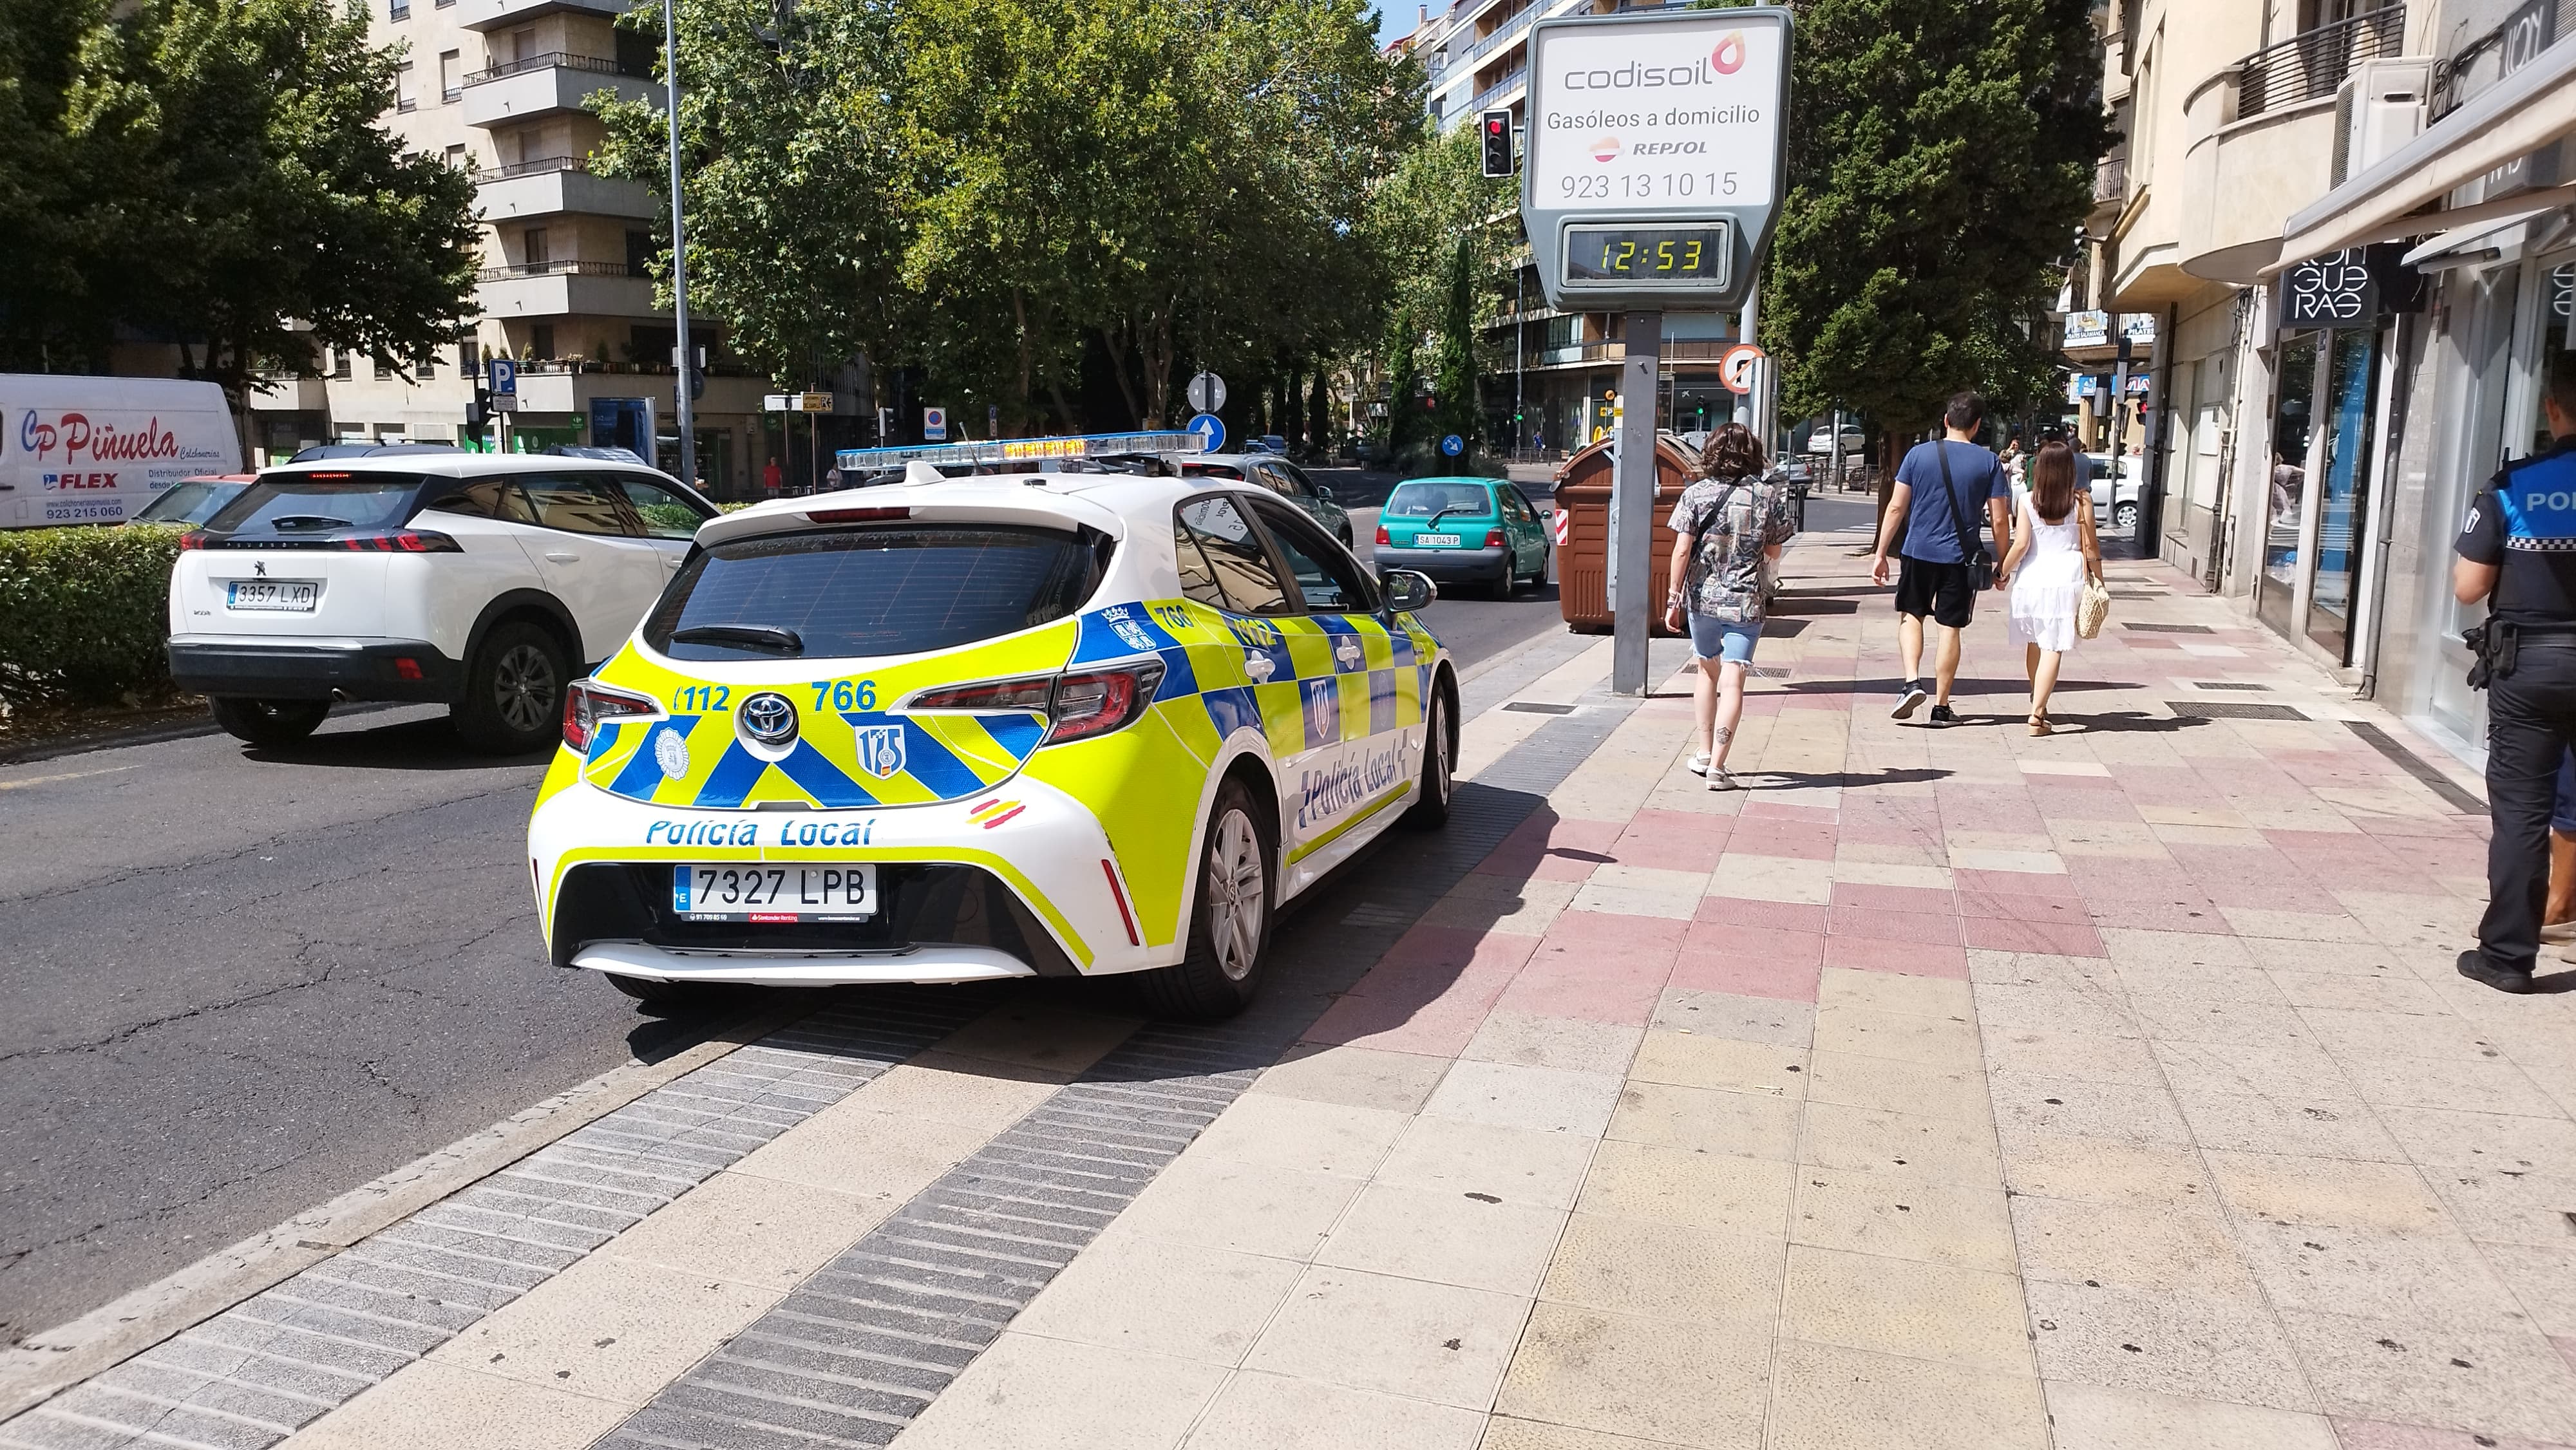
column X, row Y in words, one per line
column 1498, row 142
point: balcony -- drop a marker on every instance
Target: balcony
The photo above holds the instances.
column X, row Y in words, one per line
column 494, row 14
column 547, row 85
column 1493, row 95
column 557, row 185
column 2309, row 66
column 2264, row 141
column 565, row 288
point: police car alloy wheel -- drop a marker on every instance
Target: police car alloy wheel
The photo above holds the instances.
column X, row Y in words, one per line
column 1230, row 930
column 1439, row 758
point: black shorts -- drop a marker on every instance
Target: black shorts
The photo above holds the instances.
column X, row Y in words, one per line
column 1947, row 592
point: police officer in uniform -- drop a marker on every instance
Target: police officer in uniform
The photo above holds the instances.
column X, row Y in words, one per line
column 2518, row 553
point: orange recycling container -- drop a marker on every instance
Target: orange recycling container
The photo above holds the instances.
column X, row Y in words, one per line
column 1582, row 561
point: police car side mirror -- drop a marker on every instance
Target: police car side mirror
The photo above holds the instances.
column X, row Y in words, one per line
column 1406, row 590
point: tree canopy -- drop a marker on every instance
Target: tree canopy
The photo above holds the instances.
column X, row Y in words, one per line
column 1940, row 160
column 991, row 190
column 215, row 174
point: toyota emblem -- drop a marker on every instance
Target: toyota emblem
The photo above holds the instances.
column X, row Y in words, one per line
column 769, row 719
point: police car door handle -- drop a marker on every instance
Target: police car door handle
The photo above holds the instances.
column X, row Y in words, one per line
column 1259, row 666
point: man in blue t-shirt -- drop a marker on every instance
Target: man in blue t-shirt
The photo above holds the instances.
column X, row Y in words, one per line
column 1934, row 503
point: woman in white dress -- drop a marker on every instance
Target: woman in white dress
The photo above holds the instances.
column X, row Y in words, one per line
column 2054, row 550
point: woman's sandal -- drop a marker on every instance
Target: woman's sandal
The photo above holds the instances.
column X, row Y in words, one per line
column 2039, row 724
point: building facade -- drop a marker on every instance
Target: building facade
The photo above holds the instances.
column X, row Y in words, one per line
column 497, row 88
column 2350, row 224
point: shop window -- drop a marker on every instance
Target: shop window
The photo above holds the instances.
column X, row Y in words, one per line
column 2349, row 414
column 2278, row 580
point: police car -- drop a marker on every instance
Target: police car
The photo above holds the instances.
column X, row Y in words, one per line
column 1044, row 720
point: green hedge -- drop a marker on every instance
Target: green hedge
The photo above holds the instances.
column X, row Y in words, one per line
column 84, row 613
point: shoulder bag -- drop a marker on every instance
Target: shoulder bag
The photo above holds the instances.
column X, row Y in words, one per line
column 1972, row 552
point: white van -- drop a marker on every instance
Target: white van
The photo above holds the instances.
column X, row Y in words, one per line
column 93, row 450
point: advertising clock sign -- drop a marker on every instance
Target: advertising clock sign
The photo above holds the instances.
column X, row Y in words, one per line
column 1655, row 160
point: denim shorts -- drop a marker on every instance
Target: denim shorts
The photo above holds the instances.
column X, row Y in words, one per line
column 1715, row 639
column 2562, row 813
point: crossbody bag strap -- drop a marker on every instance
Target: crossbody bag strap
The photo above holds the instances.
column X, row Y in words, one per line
column 1970, row 551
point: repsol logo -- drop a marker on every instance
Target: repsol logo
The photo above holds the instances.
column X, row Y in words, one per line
column 1669, row 148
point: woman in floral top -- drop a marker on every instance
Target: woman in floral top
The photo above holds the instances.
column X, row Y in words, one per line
column 1727, row 531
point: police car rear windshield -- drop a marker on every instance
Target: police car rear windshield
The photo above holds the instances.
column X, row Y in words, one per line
column 855, row 593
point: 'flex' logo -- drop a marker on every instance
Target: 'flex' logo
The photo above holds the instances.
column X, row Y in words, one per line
column 1606, row 149
column 1728, row 58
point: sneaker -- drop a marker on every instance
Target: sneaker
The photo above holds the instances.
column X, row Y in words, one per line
column 2558, row 934
column 1722, row 780
column 1911, row 701
column 2475, row 966
column 1941, row 716
column 1699, row 765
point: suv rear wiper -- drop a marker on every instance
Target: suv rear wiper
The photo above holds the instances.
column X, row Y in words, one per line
column 773, row 638
column 287, row 523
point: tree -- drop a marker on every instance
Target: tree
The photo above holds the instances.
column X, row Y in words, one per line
column 1940, row 157
column 48, row 317
column 1438, row 230
column 237, row 197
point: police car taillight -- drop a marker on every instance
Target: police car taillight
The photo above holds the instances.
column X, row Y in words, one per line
column 587, row 703
column 1033, row 696
column 1096, row 702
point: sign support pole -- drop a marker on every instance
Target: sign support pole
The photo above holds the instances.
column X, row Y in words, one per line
column 1634, row 595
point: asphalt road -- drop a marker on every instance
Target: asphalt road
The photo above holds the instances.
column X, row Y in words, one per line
column 243, row 982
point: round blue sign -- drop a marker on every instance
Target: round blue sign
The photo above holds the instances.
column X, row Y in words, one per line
column 1453, row 445
column 1211, row 431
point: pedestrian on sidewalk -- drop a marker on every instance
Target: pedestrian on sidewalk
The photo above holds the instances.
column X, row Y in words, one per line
column 2517, row 552
column 1727, row 531
column 2054, row 551
column 1933, row 506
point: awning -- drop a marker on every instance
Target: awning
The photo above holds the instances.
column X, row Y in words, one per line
column 2502, row 124
column 2516, row 210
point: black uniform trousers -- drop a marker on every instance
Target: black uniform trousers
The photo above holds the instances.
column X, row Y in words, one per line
column 2531, row 721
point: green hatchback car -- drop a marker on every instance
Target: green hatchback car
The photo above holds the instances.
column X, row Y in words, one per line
column 1464, row 531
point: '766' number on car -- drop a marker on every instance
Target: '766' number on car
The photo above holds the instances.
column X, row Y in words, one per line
column 845, row 694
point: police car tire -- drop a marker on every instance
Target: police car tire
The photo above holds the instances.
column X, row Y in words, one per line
column 268, row 723
column 514, row 647
column 1430, row 808
column 1198, row 989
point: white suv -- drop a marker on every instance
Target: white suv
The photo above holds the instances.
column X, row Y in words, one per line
column 487, row 582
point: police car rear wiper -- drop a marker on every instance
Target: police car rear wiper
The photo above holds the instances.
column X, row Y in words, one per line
column 770, row 637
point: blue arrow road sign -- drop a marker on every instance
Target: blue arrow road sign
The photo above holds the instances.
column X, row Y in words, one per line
column 1211, row 431
column 1453, row 445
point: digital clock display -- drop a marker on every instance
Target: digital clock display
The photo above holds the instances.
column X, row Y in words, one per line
column 1648, row 254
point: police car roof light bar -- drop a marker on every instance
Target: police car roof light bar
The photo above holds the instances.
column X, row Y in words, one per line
column 1022, row 450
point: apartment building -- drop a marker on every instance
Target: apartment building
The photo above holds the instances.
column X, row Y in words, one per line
column 2350, row 225
column 1558, row 371
column 497, row 87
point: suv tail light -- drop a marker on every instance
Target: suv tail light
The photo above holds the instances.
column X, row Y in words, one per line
column 404, row 541
column 1493, row 538
column 196, row 539
column 587, row 703
column 1381, row 534
column 1099, row 701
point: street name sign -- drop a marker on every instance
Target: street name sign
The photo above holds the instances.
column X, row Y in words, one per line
column 1655, row 161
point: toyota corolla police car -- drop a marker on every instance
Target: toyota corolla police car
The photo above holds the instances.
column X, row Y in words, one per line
column 1037, row 721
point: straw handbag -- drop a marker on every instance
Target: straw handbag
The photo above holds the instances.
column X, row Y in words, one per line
column 2092, row 608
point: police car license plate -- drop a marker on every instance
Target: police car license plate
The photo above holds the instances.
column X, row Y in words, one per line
column 794, row 892
column 1435, row 541
column 294, row 595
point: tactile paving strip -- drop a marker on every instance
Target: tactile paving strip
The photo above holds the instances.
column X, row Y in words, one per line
column 257, row 1372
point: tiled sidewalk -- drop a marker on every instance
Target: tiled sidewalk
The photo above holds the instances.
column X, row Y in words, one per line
column 1956, row 1088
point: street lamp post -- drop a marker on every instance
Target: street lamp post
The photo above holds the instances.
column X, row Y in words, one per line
column 679, row 250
